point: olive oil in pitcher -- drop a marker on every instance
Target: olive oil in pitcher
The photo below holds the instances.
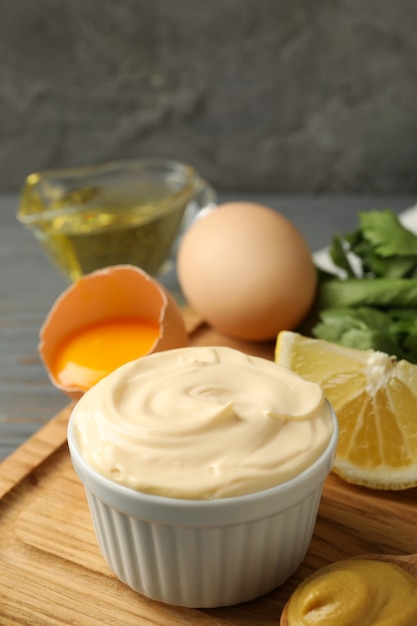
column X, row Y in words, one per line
column 107, row 219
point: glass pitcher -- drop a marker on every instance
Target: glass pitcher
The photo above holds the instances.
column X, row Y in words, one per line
column 128, row 211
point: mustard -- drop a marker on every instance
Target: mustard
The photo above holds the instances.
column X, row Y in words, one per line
column 356, row 592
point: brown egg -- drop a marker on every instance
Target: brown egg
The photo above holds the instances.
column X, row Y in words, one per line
column 247, row 270
column 104, row 319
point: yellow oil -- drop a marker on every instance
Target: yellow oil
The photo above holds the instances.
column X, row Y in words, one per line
column 96, row 227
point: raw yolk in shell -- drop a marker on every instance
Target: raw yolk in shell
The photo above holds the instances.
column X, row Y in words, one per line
column 95, row 351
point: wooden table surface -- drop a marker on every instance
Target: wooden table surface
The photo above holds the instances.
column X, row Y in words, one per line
column 29, row 285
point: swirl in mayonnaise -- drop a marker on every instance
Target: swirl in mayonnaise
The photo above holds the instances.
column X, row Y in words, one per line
column 202, row 423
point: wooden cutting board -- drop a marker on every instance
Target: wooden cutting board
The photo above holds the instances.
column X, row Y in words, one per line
column 53, row 573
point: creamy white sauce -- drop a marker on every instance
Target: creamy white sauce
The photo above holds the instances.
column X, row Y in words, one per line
column 201, row 423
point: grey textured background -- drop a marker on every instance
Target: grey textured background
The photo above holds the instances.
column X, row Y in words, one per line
column 259, row 95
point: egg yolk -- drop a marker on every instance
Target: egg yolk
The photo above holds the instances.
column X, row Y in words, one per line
column 93, row 352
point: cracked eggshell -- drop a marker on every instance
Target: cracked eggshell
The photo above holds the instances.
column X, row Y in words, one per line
column 110, row 293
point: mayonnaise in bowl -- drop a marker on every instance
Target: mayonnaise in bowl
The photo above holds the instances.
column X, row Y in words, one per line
column 201, row 423
column 203, row 470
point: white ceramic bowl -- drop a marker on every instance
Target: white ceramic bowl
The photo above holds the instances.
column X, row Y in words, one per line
column 204, row 553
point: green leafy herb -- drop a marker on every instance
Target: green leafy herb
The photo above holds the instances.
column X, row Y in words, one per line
column 339, row 257
column 375, row 304
column 380, row 292
column 387, row 235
